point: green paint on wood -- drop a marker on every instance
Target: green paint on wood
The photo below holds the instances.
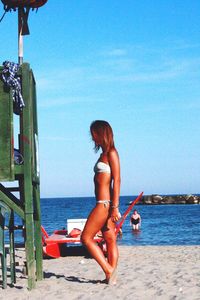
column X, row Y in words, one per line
column 38, row 241
column 4, row 197
column 28, row 188
column 6, row 135
column 12, row 249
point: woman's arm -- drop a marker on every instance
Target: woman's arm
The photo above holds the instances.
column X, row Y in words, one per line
column 115, row 169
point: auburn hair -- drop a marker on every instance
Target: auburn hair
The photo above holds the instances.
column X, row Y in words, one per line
column 105, row 135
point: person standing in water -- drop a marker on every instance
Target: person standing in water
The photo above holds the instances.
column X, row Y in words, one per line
column 135, row 220
column 106, row 212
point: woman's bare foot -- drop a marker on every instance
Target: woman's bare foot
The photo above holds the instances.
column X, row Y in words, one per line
column 111, row 278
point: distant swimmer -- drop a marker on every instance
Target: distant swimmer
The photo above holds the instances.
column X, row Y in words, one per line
column 135, row 220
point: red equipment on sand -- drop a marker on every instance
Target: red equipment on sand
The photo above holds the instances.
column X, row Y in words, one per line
column 119, row 225
column 52, row 245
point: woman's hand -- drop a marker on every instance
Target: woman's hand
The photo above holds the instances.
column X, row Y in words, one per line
column 115, row 215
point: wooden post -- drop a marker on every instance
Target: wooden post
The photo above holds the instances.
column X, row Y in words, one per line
column 26, row 136
column 36, row 183
column 12, row 248
column 38, row 235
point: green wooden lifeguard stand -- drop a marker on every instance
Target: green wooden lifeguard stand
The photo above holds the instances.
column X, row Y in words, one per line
column 26, row 175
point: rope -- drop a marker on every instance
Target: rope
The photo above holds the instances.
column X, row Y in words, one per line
column 3, row 16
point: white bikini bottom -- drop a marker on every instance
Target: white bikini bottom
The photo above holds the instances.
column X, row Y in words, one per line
column 104, row 202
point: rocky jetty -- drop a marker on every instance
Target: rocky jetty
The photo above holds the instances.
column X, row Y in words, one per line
column 168, row 199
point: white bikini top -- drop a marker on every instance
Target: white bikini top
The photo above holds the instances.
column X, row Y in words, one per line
column 102, row 167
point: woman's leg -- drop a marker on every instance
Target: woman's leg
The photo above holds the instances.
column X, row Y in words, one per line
column 111, row 243
column 95, row 222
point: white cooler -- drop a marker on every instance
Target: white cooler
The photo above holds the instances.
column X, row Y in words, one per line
column 75, row 223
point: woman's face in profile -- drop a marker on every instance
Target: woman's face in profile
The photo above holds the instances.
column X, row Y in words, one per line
column 95, row 138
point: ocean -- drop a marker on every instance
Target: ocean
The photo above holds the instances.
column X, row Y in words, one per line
column 161, row 224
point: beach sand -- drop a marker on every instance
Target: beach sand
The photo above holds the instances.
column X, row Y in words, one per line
column 144, row 273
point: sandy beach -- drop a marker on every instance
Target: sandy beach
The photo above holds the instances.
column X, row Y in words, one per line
column 144, row 272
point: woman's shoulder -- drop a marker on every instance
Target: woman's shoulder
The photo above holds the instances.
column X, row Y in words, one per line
column 113, row 153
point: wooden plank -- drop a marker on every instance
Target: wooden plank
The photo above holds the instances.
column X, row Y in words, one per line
column 12, row 249
column 6, row 134
column 38, row 235
column 36, row 184
column 9, row 199
column 26, row 142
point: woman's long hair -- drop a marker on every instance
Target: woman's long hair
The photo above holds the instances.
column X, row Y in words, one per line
column 105, row 135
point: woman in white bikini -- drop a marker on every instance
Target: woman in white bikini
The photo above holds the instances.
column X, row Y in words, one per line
column 106, row 212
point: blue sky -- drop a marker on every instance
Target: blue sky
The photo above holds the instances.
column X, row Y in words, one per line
column 133, row 63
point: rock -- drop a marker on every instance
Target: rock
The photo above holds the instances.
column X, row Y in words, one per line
column 156, row 199
column 146, row 199
column 190, row 199
column 168, row 199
